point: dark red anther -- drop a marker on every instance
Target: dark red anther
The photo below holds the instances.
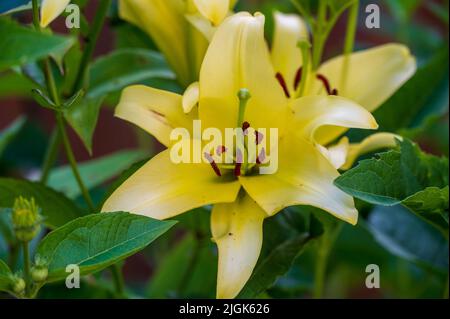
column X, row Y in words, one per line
column 261, row 157
column 259, row 137
column 221, row 149
column 334, row 92
column 213, row 164
column 282, row 82
column 245, row 126
column 298, row 78
column 325, row 82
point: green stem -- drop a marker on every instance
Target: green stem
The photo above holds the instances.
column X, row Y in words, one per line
column 26, row 267
column 349, row 45
column 119, row 283
column 305, row 48
column 72, row 161
column 325, row 245
column 51, row 152
column 94, row 33
column 320, row 270
column 50, row 155
column 35, row 7
column 319, row 35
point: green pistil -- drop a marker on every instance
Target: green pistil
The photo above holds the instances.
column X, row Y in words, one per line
column 305, row 48
column 243, row 95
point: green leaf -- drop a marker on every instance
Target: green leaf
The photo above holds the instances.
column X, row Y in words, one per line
column 404, row 176
column 43, row 100
column 82, row 117
column 21, row 45
column 285, row 238
column 407, row 236
column 126, row 67
column 6, row 274
column 93, row 173
column 97, row 241
column 431, row 203
column 56, row 208
column 9, row 133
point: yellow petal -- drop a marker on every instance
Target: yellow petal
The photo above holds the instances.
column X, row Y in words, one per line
column 237, row 229
column 337, row 153
column 286, row 56
column 313, row 116
column 164, row 21
column 373, row 75
column 202, row 25
column 374, row 142
column 156, row 111
column 304, row 177
column 191, row 97
column 162, row 189
column 238, row 58
column 214, row 10
column 51, row 9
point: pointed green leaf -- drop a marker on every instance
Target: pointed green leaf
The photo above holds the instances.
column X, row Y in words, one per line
column 403, row 176
column 97, row 241
column 407, row 236
column 21, row 45
column 126, row 67
column 82, row 117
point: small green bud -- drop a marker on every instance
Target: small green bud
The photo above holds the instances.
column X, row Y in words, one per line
column 18, row 285
column 26, row 219
column 39, row 272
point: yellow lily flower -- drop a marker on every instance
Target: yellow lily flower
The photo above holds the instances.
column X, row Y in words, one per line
column 372, row 77
column 181, row 29
column 51, row 9
column 237, row 59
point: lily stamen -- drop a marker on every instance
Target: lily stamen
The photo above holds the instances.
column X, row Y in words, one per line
column 259, row 137
column 261, row 157
column 283, row 84
column 326, row 84
column 213, row 164
column 298, row 78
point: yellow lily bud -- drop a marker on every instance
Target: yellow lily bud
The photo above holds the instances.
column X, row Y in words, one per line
column 51, row 9
column 26, row 219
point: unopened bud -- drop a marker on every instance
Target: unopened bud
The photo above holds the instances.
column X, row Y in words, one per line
column 26, row 219
column 39, row 272
column 18, row 285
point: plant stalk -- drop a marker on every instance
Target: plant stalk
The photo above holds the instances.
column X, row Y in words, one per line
column 72, row 161
column 94, row 33
column 349, row 44
column 26, row 268
column 119, row 283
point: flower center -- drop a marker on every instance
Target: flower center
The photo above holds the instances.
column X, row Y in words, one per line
column 246, row 141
